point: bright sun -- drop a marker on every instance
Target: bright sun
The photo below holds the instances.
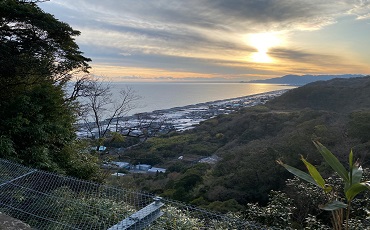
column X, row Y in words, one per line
column 262, row 42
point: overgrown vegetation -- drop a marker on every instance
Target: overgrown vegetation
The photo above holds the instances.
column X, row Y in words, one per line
column 250, row 141
column 352, row 184
column 38, row 57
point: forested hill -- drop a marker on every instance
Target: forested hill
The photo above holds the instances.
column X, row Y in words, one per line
column 303, row 79
column 248, row 143
column 340, row 95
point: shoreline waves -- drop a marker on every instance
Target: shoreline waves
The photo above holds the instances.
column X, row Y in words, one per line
column 183, row 117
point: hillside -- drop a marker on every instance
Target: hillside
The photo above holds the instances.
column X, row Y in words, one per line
column 340, row 95
column 336, row 112
column 302, row 79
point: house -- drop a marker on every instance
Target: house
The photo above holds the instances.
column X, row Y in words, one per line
column 143, row 167
column 118, row 174
column 155, row 170
column 102, row 148
column 121, row 164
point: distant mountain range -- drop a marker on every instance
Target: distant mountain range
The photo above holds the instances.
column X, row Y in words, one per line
column 303, row 79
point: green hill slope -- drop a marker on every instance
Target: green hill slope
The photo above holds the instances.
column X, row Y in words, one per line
column 336, row 112
column 340, row 95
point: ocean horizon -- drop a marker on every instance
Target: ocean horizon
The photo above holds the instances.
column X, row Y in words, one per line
column 166, row 95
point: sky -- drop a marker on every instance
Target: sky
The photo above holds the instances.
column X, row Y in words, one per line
column 220, row 40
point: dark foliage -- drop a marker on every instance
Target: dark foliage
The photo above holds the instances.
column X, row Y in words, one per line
column 340, row 95
column 249, row 142
column 38, row 54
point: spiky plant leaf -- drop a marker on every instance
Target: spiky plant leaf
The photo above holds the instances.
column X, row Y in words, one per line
column 333, row 206
column 298, row 173
column 332, row 161
column 356, row 173
column 316, row 175
column 355, row 189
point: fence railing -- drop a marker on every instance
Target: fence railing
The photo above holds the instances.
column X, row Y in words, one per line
column 49, row 201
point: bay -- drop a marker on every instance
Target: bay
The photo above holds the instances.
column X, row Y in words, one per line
column 157, row 96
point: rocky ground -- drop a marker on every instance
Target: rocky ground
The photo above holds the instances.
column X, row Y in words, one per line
column 9, row 223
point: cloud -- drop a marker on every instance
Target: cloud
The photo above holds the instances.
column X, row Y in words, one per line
column 130, row 78
column 184, row 79
column 292, row 55
column 197, row 35
column 187, row 27
column 233, row 15
column 361, row 9
column 195, row 16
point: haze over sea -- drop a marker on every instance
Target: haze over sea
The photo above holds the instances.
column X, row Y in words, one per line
column 156, row 96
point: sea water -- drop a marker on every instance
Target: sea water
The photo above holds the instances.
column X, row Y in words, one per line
column 157, row 96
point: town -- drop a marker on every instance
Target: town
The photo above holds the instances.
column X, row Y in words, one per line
column 176, row 119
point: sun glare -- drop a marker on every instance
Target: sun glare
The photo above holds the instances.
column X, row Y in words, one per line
column 262, row 42
column 261, row 57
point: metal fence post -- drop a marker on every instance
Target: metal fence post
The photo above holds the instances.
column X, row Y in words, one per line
column 142, row 218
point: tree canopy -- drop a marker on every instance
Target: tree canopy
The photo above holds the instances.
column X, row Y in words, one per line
column 35, row 44
column 249, row 142
column 38, row 56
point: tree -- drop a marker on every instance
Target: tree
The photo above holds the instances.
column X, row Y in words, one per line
column 38, row 56
column 36, row 46
column 351, row 178
column 103, row 112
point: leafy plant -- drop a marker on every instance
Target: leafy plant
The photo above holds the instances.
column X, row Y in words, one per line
column 277, row 213
column 351, row 178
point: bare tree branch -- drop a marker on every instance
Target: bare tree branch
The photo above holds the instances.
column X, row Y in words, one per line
column 100, row 108
column 102, row 112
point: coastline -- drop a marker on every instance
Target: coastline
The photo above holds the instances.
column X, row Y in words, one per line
column 161, row 96
column 277, row 92
column 187, row 117
column 184, row 117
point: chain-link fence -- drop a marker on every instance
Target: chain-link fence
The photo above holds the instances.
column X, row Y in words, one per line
column 49, row 201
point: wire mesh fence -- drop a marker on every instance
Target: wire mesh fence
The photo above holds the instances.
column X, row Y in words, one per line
column 49, row 201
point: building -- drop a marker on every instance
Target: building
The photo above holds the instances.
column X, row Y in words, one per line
column 143, row 167
column 155, row 170
column 121, row 164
